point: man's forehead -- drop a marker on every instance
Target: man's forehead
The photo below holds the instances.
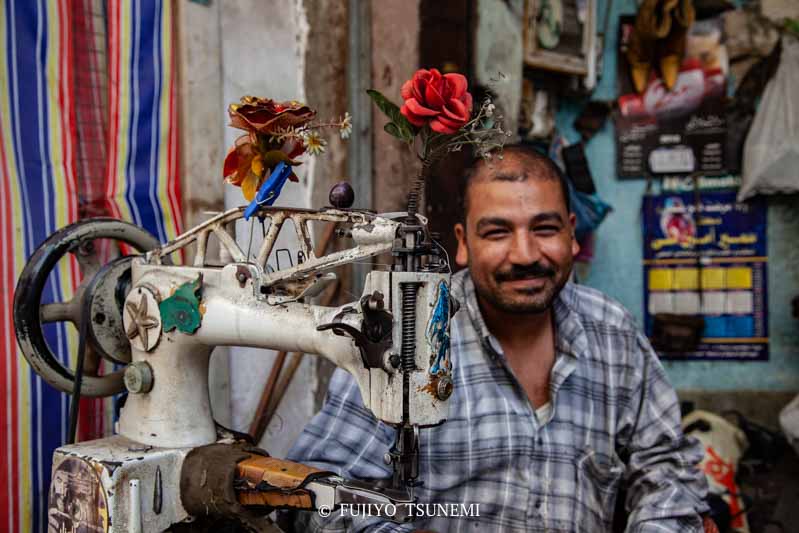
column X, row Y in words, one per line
column 509, row 163
column 488, row 189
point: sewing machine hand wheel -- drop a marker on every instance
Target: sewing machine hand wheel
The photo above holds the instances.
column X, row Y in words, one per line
column 102, row 291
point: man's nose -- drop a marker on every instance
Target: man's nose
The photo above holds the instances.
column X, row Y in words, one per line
column 524, row 249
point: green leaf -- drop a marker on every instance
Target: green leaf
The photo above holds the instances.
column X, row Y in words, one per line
column 407, row 129
column 399, row 125
column 393, row 130
column 400, row 132
column 389, row 108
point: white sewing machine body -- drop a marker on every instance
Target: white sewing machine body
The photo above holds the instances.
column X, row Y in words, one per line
column 393, row 340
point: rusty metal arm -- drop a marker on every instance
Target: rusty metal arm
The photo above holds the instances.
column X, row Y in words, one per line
column 372, row 234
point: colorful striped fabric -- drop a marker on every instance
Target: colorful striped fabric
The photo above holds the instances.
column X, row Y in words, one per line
column 142, row 179
column 40, row 188
column 37, row 196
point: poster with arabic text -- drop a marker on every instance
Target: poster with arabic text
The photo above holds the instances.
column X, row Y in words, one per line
column 711, row 262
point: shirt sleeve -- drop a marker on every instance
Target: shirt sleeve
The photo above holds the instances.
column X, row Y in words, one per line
column 665, row 487
column 345, row 438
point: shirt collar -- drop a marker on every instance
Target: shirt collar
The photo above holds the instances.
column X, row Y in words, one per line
column 570, row 338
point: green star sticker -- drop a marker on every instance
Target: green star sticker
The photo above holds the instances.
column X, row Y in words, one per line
column 182, row 309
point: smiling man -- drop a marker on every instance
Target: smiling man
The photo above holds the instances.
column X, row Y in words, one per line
column 560, row 404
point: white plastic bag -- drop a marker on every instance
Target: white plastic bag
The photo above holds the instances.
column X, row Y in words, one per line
column 724, row 445
column 789, row 422
column 771, row 152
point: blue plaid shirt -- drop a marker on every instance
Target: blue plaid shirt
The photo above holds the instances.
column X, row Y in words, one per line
column 614, row 422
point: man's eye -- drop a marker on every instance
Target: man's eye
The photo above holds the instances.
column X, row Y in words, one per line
column 494, row 234
column 547, row 230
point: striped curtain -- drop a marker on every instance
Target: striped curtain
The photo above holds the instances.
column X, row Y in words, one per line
column 50, row 177
column 143, row 115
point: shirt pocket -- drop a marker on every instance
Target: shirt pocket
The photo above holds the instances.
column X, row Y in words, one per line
column 598, row 480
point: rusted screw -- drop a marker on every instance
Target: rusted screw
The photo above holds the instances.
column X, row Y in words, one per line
column 444, row 388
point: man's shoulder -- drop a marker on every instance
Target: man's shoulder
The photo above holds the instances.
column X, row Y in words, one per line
column 610, row 333
column 597, row 308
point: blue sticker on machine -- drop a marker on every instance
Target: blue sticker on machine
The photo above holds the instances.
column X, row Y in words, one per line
column 437, row 332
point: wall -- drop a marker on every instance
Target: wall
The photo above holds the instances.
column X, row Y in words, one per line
column 617, row 269
column 395, row 27
column 202, row 150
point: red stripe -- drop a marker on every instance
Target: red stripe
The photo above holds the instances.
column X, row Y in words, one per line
column 113, row 104
column 68, row 133
column 67, row 107
column 99, row 120
column 8, row 501
column 67, row 116
column 91, row 168
column 174, row 147
column 91, row 408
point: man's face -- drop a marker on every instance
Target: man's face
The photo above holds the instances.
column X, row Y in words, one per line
column 518, row 240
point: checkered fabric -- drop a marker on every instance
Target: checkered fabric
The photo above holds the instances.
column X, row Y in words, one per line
column 614, row 422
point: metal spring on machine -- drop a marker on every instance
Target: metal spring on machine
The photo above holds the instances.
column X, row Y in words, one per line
column 413, row 197
column 417, row 187
column 408, row 345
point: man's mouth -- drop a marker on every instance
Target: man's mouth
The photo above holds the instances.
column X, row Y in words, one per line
column 534, row 274
column 532, row 282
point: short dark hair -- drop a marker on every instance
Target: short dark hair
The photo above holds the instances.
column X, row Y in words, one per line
column 538, row 166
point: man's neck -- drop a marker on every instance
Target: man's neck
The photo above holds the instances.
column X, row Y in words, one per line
column 517, row 330
column 528, row 342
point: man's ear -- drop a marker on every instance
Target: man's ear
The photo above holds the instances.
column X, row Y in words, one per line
column 462, row 256
column 575, row 244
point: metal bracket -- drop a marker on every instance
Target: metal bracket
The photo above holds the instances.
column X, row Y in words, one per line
column 371, row 352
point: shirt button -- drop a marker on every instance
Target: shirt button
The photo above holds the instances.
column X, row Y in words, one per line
column 539, row 440
column 538, row 504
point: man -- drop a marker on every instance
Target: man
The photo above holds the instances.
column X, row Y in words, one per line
column 559, row 400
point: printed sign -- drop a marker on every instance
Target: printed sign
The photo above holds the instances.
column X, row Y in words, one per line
column 711, row 263
column 677, row 130
column 77, row 501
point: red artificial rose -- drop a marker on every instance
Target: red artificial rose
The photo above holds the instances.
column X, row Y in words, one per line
column 441, row 100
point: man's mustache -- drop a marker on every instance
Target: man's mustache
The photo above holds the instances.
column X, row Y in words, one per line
column 520, row 272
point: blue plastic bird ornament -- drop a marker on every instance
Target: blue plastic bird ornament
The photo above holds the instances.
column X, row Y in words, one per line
column 270, row 189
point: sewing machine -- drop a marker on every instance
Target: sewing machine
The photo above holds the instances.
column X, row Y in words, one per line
column 169, row 466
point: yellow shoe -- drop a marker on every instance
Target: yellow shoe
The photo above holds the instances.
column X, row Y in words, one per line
column 670, row 69
column 672, row 48
column 652, row 22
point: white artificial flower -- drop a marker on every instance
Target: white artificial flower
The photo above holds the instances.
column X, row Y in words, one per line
column 345, row 128
column 314, row 143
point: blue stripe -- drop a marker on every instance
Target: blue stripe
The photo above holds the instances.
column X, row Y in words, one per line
column 130, row 179
column 155, row 150
column 144, row 103
column 25, row 39
column 142, row 158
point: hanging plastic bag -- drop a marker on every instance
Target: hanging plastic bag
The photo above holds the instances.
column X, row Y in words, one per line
column 789, row 422
column 724, row 446
column 771, row 152
column 589, row 210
